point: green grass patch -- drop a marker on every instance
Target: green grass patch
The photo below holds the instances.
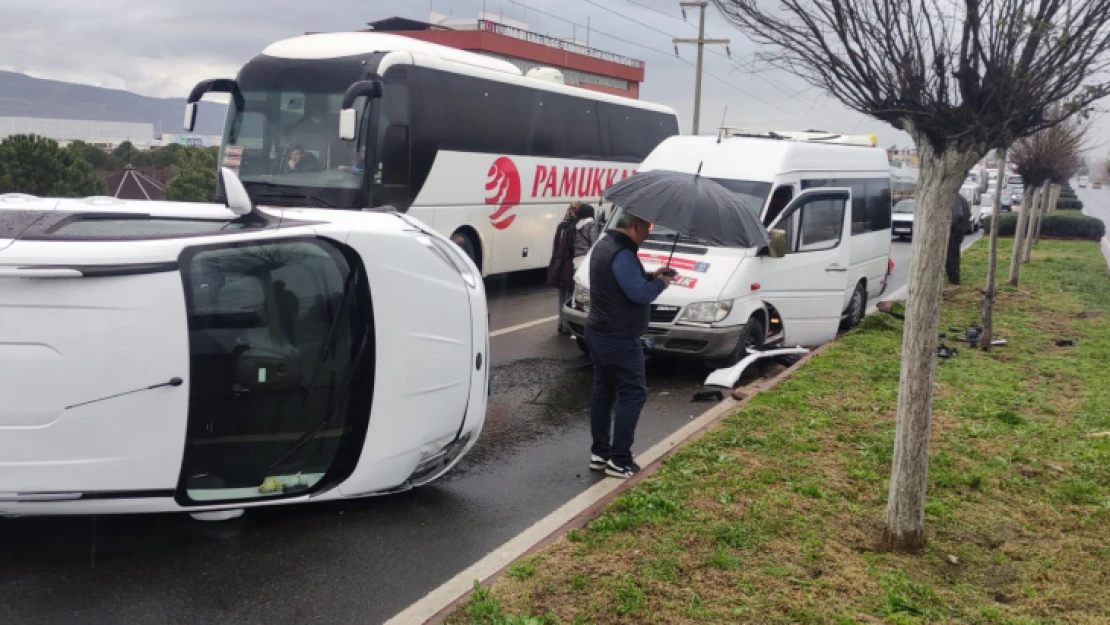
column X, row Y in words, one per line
column 774, row 516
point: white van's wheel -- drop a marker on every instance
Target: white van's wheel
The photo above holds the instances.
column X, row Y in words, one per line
column 856, row 307
column 751, row 337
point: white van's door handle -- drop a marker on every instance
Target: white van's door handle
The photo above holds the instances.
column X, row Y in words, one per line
column 835, row 267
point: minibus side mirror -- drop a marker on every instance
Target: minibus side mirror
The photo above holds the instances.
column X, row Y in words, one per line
column 777, row 247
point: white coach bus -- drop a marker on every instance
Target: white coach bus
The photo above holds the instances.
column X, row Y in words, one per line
column 463, row 142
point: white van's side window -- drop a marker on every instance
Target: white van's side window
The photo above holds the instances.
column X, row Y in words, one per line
column 814, row 226
column 871, row 201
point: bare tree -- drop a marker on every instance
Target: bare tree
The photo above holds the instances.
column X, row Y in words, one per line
column 960, row 78
column 1040, row 159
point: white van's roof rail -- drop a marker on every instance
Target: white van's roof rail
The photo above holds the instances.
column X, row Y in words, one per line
column 810, row 136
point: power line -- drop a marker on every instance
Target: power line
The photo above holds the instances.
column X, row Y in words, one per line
column 622, row 15
column 594, row 30
column 664, row 13
column 667, row 54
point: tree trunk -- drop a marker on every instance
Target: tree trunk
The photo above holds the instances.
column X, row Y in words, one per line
column 1019, row 237
column 1031, row 227
column 1039, row 207
column 940, row 179
column 992, row 260
column 1049, row 205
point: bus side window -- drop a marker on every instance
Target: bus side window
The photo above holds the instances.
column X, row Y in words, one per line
column 779, row 199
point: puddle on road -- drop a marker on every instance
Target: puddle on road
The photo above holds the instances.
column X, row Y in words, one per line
column 535, row 398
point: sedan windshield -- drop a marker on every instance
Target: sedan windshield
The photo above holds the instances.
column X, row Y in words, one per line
column 904, row 207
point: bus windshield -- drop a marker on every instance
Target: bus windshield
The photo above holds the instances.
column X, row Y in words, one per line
column 284, row 137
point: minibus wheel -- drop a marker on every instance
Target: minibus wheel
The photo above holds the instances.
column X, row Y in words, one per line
column 856, row 307
column 751, row 337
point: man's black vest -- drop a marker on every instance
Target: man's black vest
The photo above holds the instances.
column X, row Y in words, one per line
column 612, row 314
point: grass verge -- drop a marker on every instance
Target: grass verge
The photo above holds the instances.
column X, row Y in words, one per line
column 773, row 517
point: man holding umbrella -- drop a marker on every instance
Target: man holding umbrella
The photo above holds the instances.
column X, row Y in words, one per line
column 621, row 293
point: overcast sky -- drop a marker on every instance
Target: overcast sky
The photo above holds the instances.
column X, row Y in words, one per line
column 163, row 47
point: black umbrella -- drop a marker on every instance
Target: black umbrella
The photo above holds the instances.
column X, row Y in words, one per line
column 691, row 205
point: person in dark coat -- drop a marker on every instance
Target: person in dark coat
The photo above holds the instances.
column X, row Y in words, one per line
column 560, row 269
column 961, row 219
column 587, row 231
column 621, row 293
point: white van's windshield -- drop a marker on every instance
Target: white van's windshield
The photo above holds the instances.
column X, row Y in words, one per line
column 754, row 195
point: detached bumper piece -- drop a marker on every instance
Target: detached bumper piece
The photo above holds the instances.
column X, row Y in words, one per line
column 727, row 378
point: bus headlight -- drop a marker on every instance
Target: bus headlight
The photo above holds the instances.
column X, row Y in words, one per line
column 581, row 297
column 706, row 312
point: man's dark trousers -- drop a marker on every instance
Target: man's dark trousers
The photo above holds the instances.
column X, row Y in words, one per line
column 618, row 378
column 955, row 241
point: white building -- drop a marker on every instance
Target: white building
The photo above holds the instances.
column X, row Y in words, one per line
column 106, row 135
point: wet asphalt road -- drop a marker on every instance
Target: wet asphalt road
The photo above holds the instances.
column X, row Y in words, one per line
column 1096, row 202
column 358, row 561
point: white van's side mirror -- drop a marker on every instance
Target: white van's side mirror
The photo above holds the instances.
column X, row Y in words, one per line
column 235, row 194
column 777, row 248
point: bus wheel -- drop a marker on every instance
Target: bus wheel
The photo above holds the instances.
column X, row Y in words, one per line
column 466, row 242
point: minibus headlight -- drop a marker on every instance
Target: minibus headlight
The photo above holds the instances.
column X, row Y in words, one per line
column 581, row 297
column 707, row 312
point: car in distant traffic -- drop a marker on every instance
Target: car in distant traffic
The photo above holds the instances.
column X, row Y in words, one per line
column 1013, row 192
column 1083, row 182
column 1096, row 185
column 901, row 219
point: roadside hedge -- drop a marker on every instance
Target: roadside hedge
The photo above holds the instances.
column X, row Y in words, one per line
column 1065, row 204
column 1056, row 225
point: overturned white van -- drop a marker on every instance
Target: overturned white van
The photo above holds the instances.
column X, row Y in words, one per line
column 829, row 194
column 159, row 357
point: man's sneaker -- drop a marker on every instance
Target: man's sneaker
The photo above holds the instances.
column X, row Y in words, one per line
column 621, row 471
column 597, row 463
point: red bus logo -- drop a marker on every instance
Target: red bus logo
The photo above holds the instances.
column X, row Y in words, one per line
column 503, row 185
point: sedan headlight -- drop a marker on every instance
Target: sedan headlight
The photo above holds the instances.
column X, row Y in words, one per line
column 707, row 312
column 581, row 296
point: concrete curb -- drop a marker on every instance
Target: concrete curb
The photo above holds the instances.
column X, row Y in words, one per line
column 702, row 424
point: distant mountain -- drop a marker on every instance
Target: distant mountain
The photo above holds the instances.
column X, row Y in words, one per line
column 23, row 96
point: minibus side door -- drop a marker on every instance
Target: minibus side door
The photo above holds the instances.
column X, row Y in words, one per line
column 807, row 284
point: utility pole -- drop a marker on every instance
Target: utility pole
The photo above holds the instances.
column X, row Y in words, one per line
column 700, row 41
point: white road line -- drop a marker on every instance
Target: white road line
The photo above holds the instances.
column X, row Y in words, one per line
column 501, row 557
column 523, row 326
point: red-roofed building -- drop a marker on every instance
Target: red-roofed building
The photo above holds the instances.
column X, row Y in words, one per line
column 581, row 66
